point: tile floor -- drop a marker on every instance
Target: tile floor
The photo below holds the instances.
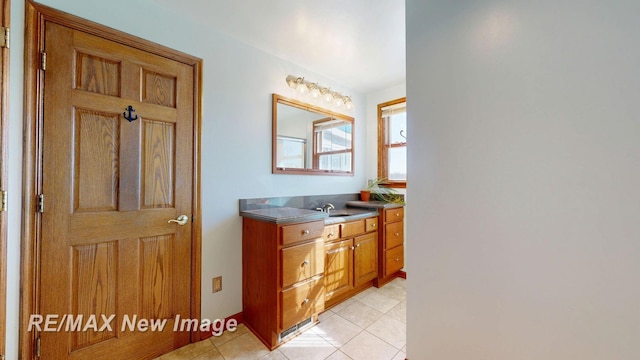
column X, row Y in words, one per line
column 369, row 326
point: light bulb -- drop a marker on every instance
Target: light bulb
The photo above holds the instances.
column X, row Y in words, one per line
column 314, row 90
column 328, row 96
column 348, row 103
column 337, row 100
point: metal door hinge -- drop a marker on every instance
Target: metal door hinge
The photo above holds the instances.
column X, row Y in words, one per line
column 4, row 203
column 38, row 347
column 44, row 60
column 41, row 203
column 5, row 37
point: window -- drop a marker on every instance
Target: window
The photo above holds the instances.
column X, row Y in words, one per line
column 392, row 142
column 332, row 144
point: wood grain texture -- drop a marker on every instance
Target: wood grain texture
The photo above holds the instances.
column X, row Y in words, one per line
column 394, row 234
column 138, row 345
column 365, row 258
column 296, row 233
column 4, row 157
column 394, row 260
column 98, row 75
column 301, row 301
column 352, row 228
column 157, row 276
column 338, row 272
column 158, row 161
column 94, row 289
column 96, row 154
column 301, row 262
column 158, row 88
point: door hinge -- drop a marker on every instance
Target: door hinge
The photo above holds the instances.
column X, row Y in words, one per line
column 4, row 203
column 38, row 347
column 5, row 37
column 41, row 203
column 43, row 57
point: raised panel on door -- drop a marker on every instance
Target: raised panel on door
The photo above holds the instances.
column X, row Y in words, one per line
column 338, row 272
column 111, row 185
column 365, row 258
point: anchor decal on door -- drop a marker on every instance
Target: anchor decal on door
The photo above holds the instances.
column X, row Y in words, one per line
column 129, row 116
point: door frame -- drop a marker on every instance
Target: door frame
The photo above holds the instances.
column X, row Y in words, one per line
column 5, row 12
column 35, row 18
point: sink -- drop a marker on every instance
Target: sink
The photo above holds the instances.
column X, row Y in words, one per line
column 339, row 213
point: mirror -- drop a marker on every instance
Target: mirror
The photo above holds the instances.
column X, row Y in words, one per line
column 310, row 140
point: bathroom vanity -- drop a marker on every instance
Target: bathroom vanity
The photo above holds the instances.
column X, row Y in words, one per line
column 297, row 262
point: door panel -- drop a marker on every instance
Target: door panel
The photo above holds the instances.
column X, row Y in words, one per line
column 110, row 187
column 365, row 258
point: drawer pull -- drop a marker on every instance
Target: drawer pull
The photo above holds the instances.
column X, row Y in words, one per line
column 397, row 234
column 305, row 302
column 353, row 248
column 373, row 225
column 306, row 262
column 397, row 214
column 397, row 259
column 330, row 234
column 358, row 245
column 306, row 232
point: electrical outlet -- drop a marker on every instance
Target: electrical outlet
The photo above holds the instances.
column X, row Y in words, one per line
column 217, row 284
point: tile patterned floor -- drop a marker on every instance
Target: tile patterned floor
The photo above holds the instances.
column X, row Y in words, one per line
column 369, row 326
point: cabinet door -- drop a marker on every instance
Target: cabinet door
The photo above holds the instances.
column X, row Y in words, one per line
column 338, row 276
column 365, row 258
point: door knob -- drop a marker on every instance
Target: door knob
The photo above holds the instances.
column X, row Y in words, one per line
column 180, row 220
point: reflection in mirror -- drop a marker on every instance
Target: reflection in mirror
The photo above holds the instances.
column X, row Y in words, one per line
column 310, row 140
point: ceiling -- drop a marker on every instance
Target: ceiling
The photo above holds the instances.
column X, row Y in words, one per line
column 357, row 43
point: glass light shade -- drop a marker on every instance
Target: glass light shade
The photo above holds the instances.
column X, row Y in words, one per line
column 337, row 101
column 314, row 90
column 328, row 97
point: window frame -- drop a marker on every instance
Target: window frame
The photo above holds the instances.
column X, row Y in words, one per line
column 383, row 153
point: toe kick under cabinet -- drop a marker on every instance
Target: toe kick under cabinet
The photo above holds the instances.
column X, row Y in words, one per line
column 282, row 277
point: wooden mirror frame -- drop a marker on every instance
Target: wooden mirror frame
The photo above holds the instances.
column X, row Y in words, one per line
column 279, row 99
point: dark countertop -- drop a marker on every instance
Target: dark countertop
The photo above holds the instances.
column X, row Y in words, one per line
column 373, row 204
column 284, row 215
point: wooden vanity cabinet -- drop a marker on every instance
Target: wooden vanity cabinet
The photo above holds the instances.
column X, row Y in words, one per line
column 391, row 252
column 351, row 258
column 282, row 277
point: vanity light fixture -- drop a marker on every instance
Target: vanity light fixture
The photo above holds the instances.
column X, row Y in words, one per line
column 333, row 97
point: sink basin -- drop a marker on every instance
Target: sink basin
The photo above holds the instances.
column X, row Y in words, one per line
column 340, row 214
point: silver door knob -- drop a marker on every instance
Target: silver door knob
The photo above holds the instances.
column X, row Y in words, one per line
column 180, row 220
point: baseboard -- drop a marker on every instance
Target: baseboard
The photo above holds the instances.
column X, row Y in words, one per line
column 402, row 274
column 208, row 333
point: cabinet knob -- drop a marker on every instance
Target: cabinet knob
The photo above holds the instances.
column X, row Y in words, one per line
column 330, row 234
column 305, row 302
column 397, row 259
column 306, row 232
column 397, row 214
column 397, row 234
column 306, row 262
column 373, row 225
column 353, row 248
column 358, row 245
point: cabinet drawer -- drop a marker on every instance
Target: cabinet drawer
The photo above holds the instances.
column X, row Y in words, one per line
column 371, row 224
column 301, row 262
column 394, row 234
column 331, row 232
column 394, row 260
column 301, row 301
column 292, row 234
column 351, row 228
column 394, row 214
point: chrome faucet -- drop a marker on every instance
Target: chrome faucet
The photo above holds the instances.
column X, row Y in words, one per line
column 326, row 207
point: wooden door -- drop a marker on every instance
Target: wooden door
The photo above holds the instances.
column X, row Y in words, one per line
column 365, row 258
column 4, row 157
column 338, row 275
column 110, row 186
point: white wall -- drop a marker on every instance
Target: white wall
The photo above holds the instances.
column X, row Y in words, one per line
column 236, row 132
column 525, row 169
